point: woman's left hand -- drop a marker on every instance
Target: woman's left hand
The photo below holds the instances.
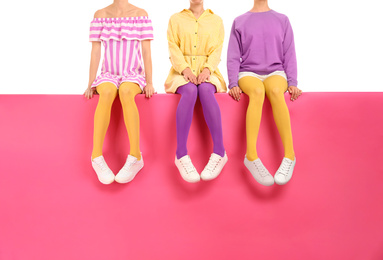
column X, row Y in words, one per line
column 148, row 90
column 203, row 76
column 294, row 92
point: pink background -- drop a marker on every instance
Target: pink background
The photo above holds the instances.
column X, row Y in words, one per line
column 53, row 207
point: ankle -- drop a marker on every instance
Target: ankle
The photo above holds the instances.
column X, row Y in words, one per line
column 95, row 155
column 290, row 156
column 251, row 157
column 137, row 155
column 220, row 152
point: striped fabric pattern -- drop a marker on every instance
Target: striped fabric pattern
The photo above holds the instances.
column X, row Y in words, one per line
column 122, row 48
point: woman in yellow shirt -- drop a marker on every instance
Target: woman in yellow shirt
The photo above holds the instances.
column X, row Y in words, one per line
column 195, row 38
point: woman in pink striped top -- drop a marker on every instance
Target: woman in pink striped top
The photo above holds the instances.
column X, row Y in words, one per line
column 125, row 32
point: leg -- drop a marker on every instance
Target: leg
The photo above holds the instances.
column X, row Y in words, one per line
column 184, row 116
column 212, row 114
column 275, row 87
column 127, row 93
column 108, row 93
column 254, row 88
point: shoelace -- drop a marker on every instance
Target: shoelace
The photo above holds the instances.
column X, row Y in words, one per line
column 285, row 167
column 127, row 165
column 187, row 166
column 212, row 164
column 262, row 171
column 102, row 165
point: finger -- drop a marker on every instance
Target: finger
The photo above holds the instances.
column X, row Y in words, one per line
column 201, row 78
column 236, row 95
column 195, row 80
column 296, row 94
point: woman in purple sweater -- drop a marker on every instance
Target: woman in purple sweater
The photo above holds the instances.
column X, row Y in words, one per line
column 261, row 61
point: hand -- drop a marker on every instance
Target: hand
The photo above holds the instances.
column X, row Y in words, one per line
column 189, row 76
column 235, row 93
column 203, row 76
column 89, row 92
column 294, row 92
column 148, row 90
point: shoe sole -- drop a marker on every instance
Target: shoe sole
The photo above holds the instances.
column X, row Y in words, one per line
column 106, row 183
column 129, row 180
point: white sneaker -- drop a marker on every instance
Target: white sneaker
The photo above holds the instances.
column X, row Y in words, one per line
column 130, row 169
column 285, row 171
column 187, row 169
column 213, row 167
column 259, row 172
column 104, row 173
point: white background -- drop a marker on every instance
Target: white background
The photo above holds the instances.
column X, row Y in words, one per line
column 44, row 47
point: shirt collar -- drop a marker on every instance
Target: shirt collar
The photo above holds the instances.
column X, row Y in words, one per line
column 187, row 11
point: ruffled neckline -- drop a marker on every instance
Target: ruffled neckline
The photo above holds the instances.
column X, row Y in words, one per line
column 114, row 19
column 118, row 28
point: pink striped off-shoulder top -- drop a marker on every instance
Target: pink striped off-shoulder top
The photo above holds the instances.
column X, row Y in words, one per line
column 122, row 48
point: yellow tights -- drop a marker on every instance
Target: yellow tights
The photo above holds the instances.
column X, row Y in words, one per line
column 127, row 93
column 274, row 88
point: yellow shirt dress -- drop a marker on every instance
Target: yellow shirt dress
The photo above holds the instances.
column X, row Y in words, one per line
column 195, row 44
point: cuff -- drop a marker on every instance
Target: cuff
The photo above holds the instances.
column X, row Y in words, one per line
column 209, row 67
column 182, row 68
column 292, row 82
column 233, row 84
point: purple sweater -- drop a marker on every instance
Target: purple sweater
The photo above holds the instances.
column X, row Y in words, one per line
column 261, row 43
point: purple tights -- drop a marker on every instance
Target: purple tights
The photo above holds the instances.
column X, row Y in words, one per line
column 211, row 112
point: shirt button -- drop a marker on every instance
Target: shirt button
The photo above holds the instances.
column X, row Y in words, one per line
column 195, row 33
column 195, row 46
column 193, row 58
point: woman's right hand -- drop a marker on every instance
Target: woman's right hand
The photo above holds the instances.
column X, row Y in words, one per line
column 189, row 76
column 235, row 93
column 89, row 92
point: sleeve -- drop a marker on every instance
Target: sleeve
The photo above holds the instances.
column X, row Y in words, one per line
column 175, row 54
column 95, row 31
column 214, row 57
column 289, row 57
column 233, row 57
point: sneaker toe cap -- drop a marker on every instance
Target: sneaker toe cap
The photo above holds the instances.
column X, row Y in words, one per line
column 192, row 178
column 280, row 179
column 268, row 181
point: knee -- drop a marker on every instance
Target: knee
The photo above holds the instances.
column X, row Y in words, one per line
column 206, row 89
column 275, row 93
column 190, row 91
column 256, row 93
column 107, row 93
column 127, row 93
